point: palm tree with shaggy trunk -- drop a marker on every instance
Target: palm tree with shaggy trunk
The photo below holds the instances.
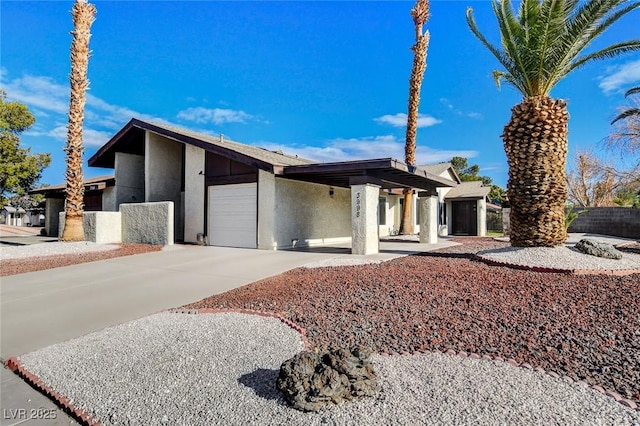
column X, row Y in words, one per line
column 83, row 15
column 541, row 45
column 420, row 15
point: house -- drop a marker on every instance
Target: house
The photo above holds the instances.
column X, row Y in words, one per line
column 98, row 196
column 15, row 216
column 237, row 195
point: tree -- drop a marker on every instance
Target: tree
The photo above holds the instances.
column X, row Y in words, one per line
column 19, row 169
column 590, row 183
column 83, row 16
column 420, row 15
column 540, row 45
column 626, row 137
column 468, row 173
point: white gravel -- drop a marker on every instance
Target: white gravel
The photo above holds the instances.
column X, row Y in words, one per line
column 221, row 369
column 352, row 260
column 51, row 249
column 560, row 258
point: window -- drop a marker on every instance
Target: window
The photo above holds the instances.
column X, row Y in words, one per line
column 443, row 213
column 382, row 210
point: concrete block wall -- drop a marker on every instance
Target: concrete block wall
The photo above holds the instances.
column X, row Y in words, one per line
column 617, row 221
column 99, row 227
column 148, row 223
column 52, row 215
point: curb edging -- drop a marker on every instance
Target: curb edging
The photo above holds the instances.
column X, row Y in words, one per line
column 544, row 269
column 62, row 402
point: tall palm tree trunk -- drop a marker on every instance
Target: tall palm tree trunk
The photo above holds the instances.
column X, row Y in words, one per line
column 420, row 14
column 83, row 15
column 535, row 141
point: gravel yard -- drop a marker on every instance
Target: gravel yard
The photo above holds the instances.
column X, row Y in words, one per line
column 584, row 326
column 38, row 257
column 221, row 369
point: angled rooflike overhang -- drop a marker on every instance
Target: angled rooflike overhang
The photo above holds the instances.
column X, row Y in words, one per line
column 130, row 139
column 386, row 172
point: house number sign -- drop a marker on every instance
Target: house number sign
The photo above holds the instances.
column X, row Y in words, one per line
column 358, row 204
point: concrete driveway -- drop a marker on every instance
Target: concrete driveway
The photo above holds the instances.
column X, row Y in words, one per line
column 46, row 307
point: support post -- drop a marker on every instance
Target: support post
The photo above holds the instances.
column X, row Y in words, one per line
column 364, row 218
column 428, row 205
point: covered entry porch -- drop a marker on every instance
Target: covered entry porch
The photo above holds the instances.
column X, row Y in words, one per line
column 365, row 180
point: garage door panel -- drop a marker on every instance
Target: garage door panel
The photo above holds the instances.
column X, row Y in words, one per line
column 233, row 215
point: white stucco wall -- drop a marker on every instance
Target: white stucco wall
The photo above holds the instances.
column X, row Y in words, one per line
column 193, row 193
column 307, row 213
column 394, row 215
column 109, row 199
column 266, row 211
column 53, row 207
column 129, row 174
column 163, row 175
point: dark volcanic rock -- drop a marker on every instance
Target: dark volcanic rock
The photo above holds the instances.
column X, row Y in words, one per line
column 599, row 249
column 313, row 381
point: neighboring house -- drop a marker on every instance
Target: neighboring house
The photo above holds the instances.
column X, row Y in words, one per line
column 244, row 196
column 98, row 195
column 15, row 216
column 462, row 207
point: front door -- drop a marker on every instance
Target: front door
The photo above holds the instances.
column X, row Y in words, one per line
column 465, row 220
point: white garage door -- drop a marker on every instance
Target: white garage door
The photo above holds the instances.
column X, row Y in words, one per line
column 233, row 215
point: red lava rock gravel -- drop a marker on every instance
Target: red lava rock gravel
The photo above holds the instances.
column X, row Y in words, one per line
column 584, row 326
column 20, row 266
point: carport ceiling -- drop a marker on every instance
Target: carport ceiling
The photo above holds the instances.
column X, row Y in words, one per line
column 387, row 172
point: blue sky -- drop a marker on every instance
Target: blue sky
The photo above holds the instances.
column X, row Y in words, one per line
column 324, row 80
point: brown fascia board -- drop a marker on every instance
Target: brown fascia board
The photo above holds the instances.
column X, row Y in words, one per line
column 380, row 168
column 340, row 166
column 179, row 137
column 104, row 148
column 100, row 183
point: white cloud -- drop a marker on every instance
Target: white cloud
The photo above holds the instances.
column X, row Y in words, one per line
column 44, row 96
column 366, row 148
column 91, row 137
column 400, row 120
column 621, row 76
column 471, row 114
column 214, row 115
column 38, row 92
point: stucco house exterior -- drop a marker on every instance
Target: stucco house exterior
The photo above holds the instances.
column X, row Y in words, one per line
column 231, row 194
column 14, row 216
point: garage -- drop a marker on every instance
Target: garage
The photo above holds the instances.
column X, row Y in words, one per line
column 233, row 215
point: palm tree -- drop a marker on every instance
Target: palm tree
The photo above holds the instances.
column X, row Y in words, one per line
column 540, row 46
column 420, row 15
column 83, row 15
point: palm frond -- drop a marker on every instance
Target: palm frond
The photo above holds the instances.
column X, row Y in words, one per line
column 632, row 91
column 542, row 44
column 631, row 112
column 608, row 52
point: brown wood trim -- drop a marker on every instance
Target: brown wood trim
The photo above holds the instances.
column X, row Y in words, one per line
column 229, row 180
